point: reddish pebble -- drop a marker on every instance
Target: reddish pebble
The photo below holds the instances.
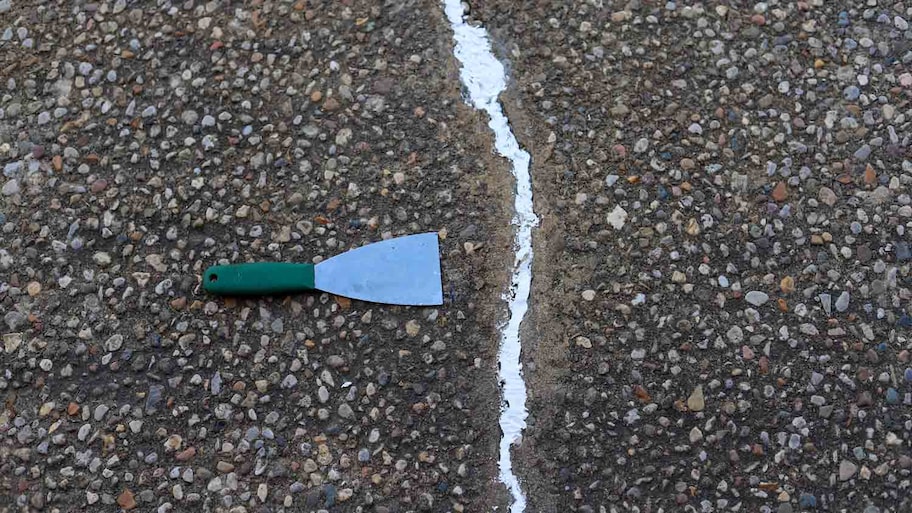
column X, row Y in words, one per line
column 99, row 185
column 869, row 175
column 186, row 454
column 216, row 45
column 126, row 500
column 780, row 192
column 747, row 353
column 758, row 19
column 37, row 151
column 620, row 150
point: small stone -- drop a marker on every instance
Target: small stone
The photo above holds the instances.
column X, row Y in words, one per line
column 126, row 500
column 102, row 259
column 11, row 341
column 173, row 442
column 695, row 435
column 584, row 342
column 186, row 454
column 756, row 297
column 331, row 104
column 345, row 411
column 780, row 192
column 847, row 469
column 827, row 196
column 617, row 218
column 787, row 285
column 215, row 384
column 215, row 484
column 588, row 295
column 807, row 500
column 826, row 301
column 262, row 492
column 98, row 185
column 747, row 353
column 14, row 320
column 11, row 187
column 412, row 328
column 696, row 401
column 842, row 302
column 114, row 343
column 100, row 411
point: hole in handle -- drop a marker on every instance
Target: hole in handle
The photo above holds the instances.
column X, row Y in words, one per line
column 213, row 277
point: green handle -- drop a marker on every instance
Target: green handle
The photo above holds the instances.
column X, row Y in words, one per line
column 260, row 278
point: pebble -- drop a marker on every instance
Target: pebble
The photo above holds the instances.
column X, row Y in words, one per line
column 11, row 187
column 847, row 470
column 780, row 192
column 126, row 500
column 826, row 301
column 903, row 251
column 617, row 218
column 756, row 298
column 696, row 401
column 114, row 342
column 345, row 411
column 827, row 196
column 842, row 302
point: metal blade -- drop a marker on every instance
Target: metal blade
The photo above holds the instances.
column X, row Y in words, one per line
column 400, row 271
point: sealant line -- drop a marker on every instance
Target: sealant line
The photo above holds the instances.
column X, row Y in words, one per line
column 484, row 79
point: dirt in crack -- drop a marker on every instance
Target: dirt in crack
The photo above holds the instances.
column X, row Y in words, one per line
column 484, row 78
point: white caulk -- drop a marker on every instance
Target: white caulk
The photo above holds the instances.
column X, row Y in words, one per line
column 484, row 79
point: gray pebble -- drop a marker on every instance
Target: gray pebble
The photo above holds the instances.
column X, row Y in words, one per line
column 756, row 297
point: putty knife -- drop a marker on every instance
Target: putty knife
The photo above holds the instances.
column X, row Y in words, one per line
column 400, row 271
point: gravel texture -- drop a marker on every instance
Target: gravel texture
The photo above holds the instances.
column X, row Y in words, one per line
column 721, row 311
column 141, row 142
